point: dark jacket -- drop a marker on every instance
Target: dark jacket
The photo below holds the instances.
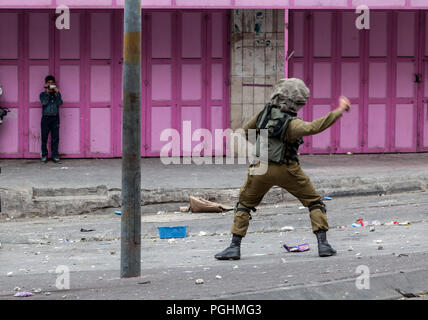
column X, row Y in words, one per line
column 51, row 103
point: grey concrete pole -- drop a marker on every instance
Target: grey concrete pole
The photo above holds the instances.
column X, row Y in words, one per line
column 130, row 258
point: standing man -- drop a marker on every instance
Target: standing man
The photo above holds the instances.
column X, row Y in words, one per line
column 51, row 101
column 285, row 132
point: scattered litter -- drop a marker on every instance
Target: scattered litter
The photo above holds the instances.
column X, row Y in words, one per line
column 359, row 223
column 161, row 212
column 405, row 223
column 198, row 205
column 283, row 260
column 112, row 252
column 402, row 255
column 287, row 228
column 9, row 274
column 47, row 293
column 375, row 223
column 64, row 168
column 299, row 248
column 37, row 290
column 100, row 278
column 199, row 281
column 235, row 267
column 285, row 281
column 218, row 277
column 349, row 153
column 328, row 198
column 118, row 213
column 391, row 223
column 301, row 208
column 172, row 241
column 341, row 227
column 358, row 254
column 16, row 289
column 350, row 249
column 202, row 233
column 380, row 247
column 379, row 241
column 86, row 230
column 372, row 229
column 144, row 282
column 23, row 294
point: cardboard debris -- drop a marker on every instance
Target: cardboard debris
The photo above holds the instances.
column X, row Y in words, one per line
column 198, row 205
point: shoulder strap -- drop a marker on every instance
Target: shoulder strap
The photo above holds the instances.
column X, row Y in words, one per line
column 264, row 116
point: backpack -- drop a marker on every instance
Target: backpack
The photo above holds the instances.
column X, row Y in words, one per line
column 276, row 123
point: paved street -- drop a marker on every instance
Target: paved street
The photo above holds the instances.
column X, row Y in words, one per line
column 33, row 248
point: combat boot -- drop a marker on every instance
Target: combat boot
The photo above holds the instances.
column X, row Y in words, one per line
column 233, row 252
column 324, row 248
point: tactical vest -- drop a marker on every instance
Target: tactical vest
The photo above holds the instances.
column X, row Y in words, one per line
column 276, row 122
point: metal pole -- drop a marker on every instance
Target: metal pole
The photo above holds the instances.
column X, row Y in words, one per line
column 130, row 258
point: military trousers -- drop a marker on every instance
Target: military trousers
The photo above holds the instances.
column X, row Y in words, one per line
column 289, row 177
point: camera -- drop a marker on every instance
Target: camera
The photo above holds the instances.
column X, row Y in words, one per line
column 52, row 86
column 3, row 113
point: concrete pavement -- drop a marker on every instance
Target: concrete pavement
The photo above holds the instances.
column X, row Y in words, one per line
column 28, row 188
column 32, row 249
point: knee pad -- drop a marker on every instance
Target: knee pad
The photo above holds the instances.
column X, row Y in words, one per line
column 245, row 209
column 317, row 205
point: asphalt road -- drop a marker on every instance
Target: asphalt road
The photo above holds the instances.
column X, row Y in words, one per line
column 396, row 256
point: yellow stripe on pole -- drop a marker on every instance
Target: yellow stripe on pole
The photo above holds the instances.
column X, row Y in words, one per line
column 132, row 47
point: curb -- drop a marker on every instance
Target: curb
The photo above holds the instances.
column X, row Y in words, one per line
column 75, row 201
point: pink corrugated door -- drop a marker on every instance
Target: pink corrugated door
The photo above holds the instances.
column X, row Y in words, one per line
column 405, row 67
column 315, row 61
column 99, row 68
column 380, row 70
column 186, row 78
column 423, row 92
column 70, row 76
column 323, row 77
column 39, row 62
column 377, row 109
column 11, row 137
column 192, row 73
column 350, row 83
column 160, row 34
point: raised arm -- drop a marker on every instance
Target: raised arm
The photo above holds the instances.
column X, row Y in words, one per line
column 299, row 128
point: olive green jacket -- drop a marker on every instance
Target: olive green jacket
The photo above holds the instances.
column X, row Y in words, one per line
column 299, row 128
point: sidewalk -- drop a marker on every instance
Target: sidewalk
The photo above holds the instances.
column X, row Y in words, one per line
column 29, row 188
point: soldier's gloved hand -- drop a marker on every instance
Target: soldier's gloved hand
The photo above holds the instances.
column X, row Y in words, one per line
column 344, row 104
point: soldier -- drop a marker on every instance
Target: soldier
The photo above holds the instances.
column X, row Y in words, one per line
column 285, row 132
